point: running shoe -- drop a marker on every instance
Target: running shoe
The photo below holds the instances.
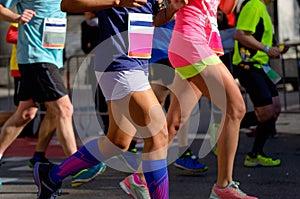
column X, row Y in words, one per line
column 46, row 188
column 189, row 162
column 33, row 161
column 0, row 182
column 260, row 160
column 232, row 191
column 87, row 175
column 135, row 189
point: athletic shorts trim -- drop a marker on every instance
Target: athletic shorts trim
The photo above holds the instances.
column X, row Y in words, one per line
column 118, row 84
column 192, row 70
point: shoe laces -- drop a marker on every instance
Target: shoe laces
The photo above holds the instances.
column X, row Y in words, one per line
column 265, row 158
column 235, row 186
column 188, row 153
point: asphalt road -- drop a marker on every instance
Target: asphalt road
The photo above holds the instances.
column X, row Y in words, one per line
column 275, row 183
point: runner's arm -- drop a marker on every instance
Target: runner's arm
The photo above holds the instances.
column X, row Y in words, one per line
column 79, row 6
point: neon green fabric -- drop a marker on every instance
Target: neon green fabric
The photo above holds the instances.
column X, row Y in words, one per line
column 196, row 68
column 254, row 18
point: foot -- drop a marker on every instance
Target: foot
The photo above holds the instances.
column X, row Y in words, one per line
column 260, row 160
column 134, row 188
column 232, row 191
column 46, row 188
column 189, row 162
column 87, row 175
column 33, row 161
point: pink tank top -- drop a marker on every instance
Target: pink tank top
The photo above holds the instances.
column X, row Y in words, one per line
column 192, row 32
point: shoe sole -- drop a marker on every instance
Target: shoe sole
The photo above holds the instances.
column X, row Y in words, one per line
column 36, row 178
column 78, row 182
column 260, row 165
column 191, row 170
column 257, row 164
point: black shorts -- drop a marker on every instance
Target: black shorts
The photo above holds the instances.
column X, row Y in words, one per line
column 40, row 81
column 258, row 85
column 162, row 70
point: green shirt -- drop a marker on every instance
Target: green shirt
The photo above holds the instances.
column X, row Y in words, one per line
column 254, row 17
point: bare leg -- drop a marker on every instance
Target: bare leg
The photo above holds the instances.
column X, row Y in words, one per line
column 218, row 85
column 63, row 110
column 143, row 116
column 4, row 116
column 15, row 124
column 46, row 131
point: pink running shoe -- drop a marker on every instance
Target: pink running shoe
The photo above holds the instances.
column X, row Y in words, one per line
column 232, row 191
column 134, row 188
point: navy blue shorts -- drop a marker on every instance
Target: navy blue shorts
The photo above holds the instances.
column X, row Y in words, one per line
column 40, row 81
column 258, row 85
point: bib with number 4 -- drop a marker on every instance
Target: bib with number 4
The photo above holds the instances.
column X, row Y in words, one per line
column 140, row 35
column 54, row 33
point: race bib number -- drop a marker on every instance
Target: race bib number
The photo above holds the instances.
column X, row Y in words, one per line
column 54, row 34
column 140, row 35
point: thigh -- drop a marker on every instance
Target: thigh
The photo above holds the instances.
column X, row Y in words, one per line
column 185, row 96
column 217, row 83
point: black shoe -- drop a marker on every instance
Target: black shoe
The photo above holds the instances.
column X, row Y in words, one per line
column 46, row 188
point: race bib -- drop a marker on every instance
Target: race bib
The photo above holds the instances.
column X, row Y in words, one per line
column 54, row 34
column 140, row 35
column 215, row 41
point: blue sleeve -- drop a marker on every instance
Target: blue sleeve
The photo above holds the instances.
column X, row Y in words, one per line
column 9, row 3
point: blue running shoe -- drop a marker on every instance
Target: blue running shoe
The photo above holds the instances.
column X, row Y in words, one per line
column 46, row 188
column 87, row 175
column 0, row 182
column 189, row 162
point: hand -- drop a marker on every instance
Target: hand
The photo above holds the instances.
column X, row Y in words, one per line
column 132, row 3
column 274, row 51
column 26, row 16
column 284, row 49
column 177, row 4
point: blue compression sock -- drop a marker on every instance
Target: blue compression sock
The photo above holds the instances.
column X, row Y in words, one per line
column 156, row 174
column 86, row 157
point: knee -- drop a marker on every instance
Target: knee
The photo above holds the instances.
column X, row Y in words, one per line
column 237, row 111
column 173, row 125
column 159, row 140
column 277, row 111
column 27, row 115
column 65, row 110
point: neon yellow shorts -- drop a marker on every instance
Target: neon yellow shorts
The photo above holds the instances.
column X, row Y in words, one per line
column 192, row 70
